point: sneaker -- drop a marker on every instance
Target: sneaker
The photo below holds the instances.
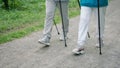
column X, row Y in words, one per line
column 78, row 51
column 97, row 45
column 62, row 38
column 45, row 41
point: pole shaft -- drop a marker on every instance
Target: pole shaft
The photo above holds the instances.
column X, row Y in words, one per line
column 56, row 27
column 62, row 23
column 99, row 27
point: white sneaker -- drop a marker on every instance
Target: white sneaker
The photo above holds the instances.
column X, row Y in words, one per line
column 78, row 51
column 62, row 38
column 45, row 40
column 97, row 45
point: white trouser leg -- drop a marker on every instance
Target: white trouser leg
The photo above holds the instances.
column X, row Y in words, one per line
column 84, row 21
column 102, row 21
column 83, row 25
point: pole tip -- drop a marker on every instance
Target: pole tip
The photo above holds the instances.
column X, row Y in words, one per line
column 58, row 33
column 65, row 45
column 100, row 53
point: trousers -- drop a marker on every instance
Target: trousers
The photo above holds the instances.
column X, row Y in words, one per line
column 85, row 16
column 51, row 6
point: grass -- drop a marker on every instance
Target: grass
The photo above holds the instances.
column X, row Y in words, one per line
column 29, row 18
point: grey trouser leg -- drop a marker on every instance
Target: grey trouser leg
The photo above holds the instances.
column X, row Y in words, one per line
column 50, row 10
column 64, row 6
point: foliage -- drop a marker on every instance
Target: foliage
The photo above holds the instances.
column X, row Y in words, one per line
column 26, row 17
column 21, row 4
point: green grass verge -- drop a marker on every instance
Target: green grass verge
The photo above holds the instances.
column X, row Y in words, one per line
column 18, row 23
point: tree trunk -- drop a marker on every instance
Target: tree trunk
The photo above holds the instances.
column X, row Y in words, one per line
column 6, row 4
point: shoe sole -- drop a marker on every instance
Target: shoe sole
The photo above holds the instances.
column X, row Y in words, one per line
column 62, row 39
column 47, row 44
column 79, row 53
column 97, row 45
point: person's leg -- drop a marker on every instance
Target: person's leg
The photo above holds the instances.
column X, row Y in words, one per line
column 50, row 10
column 65, row 16
column 83, row 25
column 102, row 20
column 102, row 23
column 83, row 28
column 64, row 7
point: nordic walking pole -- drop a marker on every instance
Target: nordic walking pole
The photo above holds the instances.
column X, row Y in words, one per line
column 56, row 27
column 99, row 27
column 80, row 8
column 62, row 22
column 79, row 4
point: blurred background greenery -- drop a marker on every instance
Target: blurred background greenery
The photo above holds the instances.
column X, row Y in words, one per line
column 22, row 17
